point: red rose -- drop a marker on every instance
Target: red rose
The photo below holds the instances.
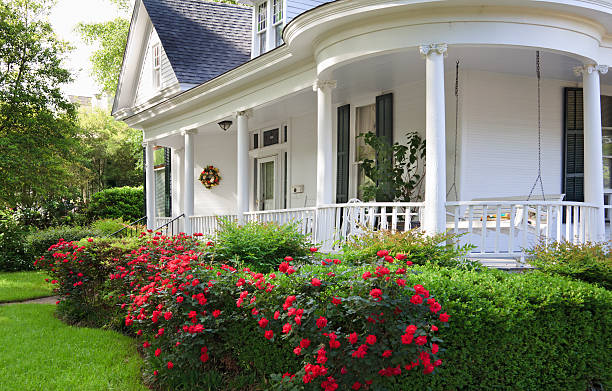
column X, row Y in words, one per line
column 416, row 299
column 304, row 343
column 157, row 352
column 288, row 259
column 376, row 293
column 400, row 282
column 167, row 315
column 314, row 249
column 263, row 322
column 389, row 258
column 269, row 334
column 204, row 357
column 407, row 339
column 428, row 369
column 286, row 328
column 180, row 299
column 353, row 338
column 297, row 351
column 371, row 339
column 366, row 275
column 283, row 267
column 216, row 313
column 382, row 253
column 421, row 340
column 336, row 301
column 170, row 365
column 434, row 348
column 444, row 317
column 321, row 322
column 356, row 386
column 411, row 329
column 315, row 282
column 400, row 257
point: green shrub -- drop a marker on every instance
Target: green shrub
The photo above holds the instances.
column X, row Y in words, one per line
column 37, row 242
column 261, row 246
column 119, row 202
column 418, row 248
column 590, row 262
column 108, row 226
column 13, row 256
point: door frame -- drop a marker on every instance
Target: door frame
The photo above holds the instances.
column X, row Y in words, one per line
column 277, row 193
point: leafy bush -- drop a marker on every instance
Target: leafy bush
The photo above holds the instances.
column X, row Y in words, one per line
column 419, row 248
column 12, row 253
column 590, row 262
column 119, row 202
column 108, row 226
column 262, row 246
column 37, row 242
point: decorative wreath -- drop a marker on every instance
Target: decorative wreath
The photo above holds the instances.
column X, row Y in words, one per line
column 210, row 177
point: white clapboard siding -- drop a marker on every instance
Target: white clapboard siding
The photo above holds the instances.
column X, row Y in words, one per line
column 296, row 7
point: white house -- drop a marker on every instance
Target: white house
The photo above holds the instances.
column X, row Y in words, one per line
column 299, row 80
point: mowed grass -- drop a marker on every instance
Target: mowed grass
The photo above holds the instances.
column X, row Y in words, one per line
column 15, row 286
column 39, row 352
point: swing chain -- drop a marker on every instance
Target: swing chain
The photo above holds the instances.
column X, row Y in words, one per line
column 539, row 177
column 454, row 185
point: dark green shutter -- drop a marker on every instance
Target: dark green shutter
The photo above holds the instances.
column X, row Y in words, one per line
column 384, row 117
column 342, row 168
column 168, row 181
column 573, row 181
column 144, row 180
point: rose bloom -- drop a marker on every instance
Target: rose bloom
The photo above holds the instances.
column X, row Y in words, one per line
column 170, row 365
column 263, row 322
column 204, row 357
column 434, row 348
column 387, row 353
column 400, row 257
column 315, row 282
column 286, row 328
column 421, row 340
column 411, row 329
column 416, row 299
column 371, row 339
column 336, row 301
column 288, row 259
column 216, row 313
column 444, row 317
column 400, row 282
column 376, row 293
column 321, row 322
column 269, row 334
column 297, row 351
column 353, row 338
column 314, row 249
column 366, row 275
column 382, row 253
column 157, row 352
column 407, row 339
column 304, row 343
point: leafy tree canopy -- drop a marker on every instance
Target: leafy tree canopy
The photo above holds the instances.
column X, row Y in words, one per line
column 37, row 123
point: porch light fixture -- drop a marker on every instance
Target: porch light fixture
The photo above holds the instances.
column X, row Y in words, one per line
column 225, row 125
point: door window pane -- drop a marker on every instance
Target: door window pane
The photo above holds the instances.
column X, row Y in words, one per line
column 607, row 158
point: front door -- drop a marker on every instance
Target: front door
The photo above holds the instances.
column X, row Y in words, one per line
column 266, row 194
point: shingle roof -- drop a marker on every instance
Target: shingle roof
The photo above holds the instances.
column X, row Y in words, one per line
column 202, row 39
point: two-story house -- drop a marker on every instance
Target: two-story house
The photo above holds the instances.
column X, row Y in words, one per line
column 513, row 99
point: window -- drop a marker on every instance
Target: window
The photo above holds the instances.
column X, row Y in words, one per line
column 365, row 122
column 606, row 123
column 262, row 25
column 277, row 21
column 270, row 137
column 156, row 66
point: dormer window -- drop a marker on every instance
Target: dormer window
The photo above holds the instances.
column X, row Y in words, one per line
column 156, row 66
column 262, row 26
column 277, row 21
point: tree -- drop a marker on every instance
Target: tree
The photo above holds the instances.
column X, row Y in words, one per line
column 111, row 152
column 37, row 124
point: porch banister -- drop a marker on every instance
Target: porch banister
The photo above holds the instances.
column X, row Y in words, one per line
column 188, row 204
column 150, row 180
column 242, row 185
column 435, row 150
column 325, row 175
column 593, row 166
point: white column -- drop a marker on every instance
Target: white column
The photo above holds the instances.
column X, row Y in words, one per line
column 189, row 178
column 150, row 179
column 178, row 182
column 435, row 152
column 242, row 157
column 325, row 175
column 593, row 159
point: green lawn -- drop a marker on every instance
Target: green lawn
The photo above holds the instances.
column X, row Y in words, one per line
column 39, row 352
column 16, row 286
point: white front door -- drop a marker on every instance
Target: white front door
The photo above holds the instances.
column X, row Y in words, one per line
column 266, row 192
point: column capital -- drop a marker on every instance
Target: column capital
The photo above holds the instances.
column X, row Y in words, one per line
column 248, row 113
column 590, row 68
column 188, row 131
column 426, row 50
column 147, row 143
column 323, row 84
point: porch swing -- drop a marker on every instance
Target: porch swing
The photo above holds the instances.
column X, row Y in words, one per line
column 505, row 211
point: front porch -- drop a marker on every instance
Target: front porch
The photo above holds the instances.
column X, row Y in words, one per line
column 296, row 158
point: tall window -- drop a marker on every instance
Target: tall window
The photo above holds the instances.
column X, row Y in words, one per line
column 606, row 123
column 262, row 25
column 365, row 122
column 277, row 21
column 156, row 66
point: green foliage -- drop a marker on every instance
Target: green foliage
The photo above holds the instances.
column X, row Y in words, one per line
column 37, row 130
column 108, row 226
column 12, row 253
column 398, row 171
column 590, row 262
column 110, row 151
column 37, row 242
column 261, row 246
column 119, row 202
column 419, row 248
column 111, row 37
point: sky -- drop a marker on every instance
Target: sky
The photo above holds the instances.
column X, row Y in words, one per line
column 64, row 17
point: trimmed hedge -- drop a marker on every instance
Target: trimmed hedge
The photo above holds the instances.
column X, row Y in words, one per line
column 528, row 331
column 37, row 243
column 13, row 256
column 119, row 202
column 590, row 262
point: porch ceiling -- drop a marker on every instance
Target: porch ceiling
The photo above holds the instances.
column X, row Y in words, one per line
column 383, row 73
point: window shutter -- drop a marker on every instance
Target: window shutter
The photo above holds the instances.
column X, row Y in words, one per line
column 342, row 168
column 167, row 182
column 384, row 117
column 144, row 180
column 573, row 181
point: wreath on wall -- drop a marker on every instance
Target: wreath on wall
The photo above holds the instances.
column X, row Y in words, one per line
column 210, row 177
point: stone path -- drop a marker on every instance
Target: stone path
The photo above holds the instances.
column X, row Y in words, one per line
column 42, row 300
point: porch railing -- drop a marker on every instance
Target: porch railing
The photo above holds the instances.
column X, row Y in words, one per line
column 170, row 225
column 506, row 228
column 305, row 218
column 208, row 225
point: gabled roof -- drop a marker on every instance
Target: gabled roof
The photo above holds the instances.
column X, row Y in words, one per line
column 202, row 39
